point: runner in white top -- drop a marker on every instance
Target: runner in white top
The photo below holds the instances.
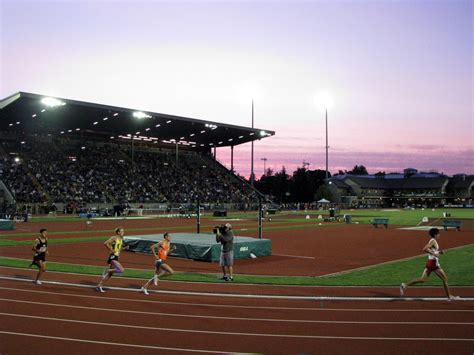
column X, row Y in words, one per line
column 432, row 265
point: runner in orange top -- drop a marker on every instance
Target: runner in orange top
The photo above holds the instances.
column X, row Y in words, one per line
column 161, row 268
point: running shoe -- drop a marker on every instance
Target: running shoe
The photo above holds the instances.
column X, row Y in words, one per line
column 99, row 289
column 145, row 291
column 453, row 298
column 224, row 277
column 38, row 282
column 403, row 287
column 155, row 280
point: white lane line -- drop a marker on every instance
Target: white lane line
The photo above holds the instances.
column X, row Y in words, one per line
column 113, row 344
column 222, row 283
column 295, row 256
column 305, row 309
column 181, row 330
column 232, row 318
column 253, row 296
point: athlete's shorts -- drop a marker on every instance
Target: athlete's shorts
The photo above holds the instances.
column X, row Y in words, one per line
column 158, row 263
column 227, row 259
column 111, row 258
column 38, row 257
column 431, row 265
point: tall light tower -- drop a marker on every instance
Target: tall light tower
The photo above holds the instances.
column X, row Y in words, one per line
column 264, row 165
column 325, row 102
column 252, row 176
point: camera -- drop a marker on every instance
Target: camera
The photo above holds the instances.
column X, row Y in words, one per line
column 221, row 229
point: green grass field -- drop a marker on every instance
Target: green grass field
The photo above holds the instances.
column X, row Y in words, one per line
column 456, row 262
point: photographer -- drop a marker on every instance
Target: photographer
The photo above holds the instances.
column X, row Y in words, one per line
column 225, row 236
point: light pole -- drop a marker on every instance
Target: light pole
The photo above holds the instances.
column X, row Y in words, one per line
column 252, row 176
column 264, row 165
column 325, row 102
column 327, row 147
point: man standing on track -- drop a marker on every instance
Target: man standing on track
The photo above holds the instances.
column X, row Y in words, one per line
column 225, row 236
column 114, row 244
column 40, row 247
column 432, row 265
column 161, row 267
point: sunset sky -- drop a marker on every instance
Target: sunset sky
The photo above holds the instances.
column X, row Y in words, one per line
column 400, row 72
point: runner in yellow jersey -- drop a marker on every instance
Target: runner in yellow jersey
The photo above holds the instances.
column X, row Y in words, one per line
column 114, row 244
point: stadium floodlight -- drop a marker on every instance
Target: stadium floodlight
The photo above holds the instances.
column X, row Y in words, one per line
column 169, row 121
column 324, row 101
column 140, row 115
column 263, row 133
column 51, row 102
column 17, row 159
column 34, row 115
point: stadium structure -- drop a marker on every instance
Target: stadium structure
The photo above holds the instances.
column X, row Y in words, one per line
column 69, row 155
column 410, row 189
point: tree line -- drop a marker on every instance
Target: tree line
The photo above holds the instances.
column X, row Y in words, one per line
column 303, row 185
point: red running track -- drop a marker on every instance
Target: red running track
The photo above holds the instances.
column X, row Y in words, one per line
column 58, row 319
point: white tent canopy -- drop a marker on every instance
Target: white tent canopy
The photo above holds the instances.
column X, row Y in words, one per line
column 323, row 200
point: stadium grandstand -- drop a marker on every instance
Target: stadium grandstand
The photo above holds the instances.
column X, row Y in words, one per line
column 66, row 155
column 410, row 189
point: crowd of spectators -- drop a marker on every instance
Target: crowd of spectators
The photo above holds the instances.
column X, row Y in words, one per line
column 66, row 172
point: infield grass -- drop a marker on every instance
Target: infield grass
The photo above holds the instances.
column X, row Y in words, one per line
column 457, row 263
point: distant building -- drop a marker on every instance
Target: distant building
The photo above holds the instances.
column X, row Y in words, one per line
column 412, row 188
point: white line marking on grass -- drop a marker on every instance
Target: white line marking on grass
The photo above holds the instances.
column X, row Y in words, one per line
column 112, row 344
column 232, row 318
column 295, row 256
column 217, row 283
column 102, row 297
column 238, row 295
column 181, row 330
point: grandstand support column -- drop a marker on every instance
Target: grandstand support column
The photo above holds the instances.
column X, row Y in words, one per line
column 198, row 214
column 176, row 153
column 259, row 217
column 133, row 150
column 215, row 157
column 232, row 159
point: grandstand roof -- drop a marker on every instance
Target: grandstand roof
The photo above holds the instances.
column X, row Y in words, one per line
column 28, row 114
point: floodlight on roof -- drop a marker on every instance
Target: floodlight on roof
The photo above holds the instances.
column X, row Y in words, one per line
column 137, row 132
column 62, row 132
column 221, row 142
column 147, row 129
column 211, row 126
column 11, row 124
column 169, row 121
column 51, row 102
column 16, row 159
column 33, row 115
column 18, row 122
column 22, row 142
column 240, row 137
column 230, row 139
column 263, row 133
column 181, row 138
column 95, row 123
column 158, row 125
column 203, row 132
column 43, row 110
column 115, row 114
column 105, row 119
column 69, row 130
column 251, row 134
column 140, row 114
column 78, row 129
column 192, row 134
